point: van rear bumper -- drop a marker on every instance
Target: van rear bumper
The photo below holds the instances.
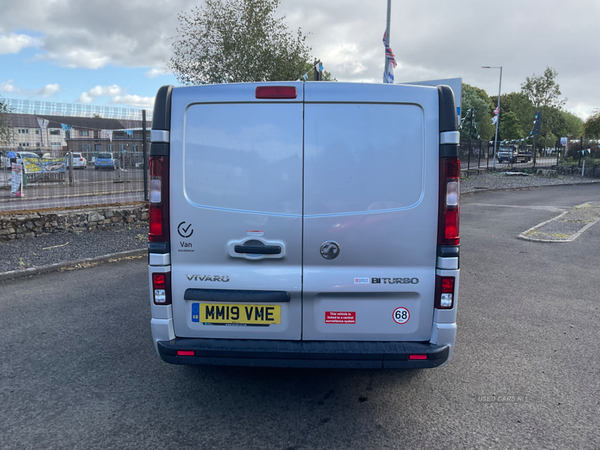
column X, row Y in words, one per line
column 313, row 354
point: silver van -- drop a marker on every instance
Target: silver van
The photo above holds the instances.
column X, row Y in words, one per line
column 304, row 225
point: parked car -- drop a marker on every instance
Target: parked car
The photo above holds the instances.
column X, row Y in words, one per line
column 512, row 155
column 19, row 157
column 79, row 162
column 105, row 161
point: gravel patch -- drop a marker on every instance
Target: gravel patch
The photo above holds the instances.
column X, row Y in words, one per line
column 565, row 227
column 60, row 247
column 498, row 180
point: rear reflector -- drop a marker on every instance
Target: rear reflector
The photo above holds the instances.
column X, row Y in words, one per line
column 417, row 356
column 280, row 92
column 444, row 292
column 185, row 353
column 155, row 220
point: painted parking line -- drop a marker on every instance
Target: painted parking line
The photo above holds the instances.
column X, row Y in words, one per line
column 544, row 208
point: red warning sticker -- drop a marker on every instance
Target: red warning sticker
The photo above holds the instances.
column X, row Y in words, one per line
column 340, row 317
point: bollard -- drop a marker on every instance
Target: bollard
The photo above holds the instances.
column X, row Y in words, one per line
column 118, row 173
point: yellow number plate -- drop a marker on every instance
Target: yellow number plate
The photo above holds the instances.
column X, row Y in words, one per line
column 243, row 314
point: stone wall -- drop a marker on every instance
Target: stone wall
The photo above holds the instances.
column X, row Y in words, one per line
column 590, row 171
column 29, row 225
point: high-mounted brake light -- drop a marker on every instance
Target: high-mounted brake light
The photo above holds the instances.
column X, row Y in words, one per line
column 276, row 92
column 161, row 288
column 449, row 207
column 444, row 292
column 159, row 199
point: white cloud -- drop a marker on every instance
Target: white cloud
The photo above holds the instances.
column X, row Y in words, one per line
column 155, row 72
column 85, row 98
column 8, row 86
column 72, row 59
column 134, row 101
column 117, row 96
column 49, row 90
column 14, row 43
column 105, row 90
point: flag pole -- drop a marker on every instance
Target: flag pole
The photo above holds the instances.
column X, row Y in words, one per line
column 387, row 37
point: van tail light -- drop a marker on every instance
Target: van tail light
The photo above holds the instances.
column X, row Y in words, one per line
column 444, row 292
column 161, row 288
column 159, row 199
column 449, row 207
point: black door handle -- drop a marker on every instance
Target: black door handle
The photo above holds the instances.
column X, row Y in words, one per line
column 258, row 249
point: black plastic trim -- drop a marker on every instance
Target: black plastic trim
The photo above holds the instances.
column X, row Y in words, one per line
column 258, row 249
column 159, row 247
column 161, row 116
column 448, row 251
column 315, row 354
column 231, row 295
column 449, row 151
column 159, row 149
column 448, row 119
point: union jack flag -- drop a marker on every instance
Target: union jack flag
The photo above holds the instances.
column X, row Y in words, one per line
column 388, row 52
column 496, row 111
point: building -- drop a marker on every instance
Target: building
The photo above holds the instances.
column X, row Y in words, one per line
column 58, row 135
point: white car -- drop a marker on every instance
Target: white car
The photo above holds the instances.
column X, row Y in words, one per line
column 79, row 162
column 19, row 157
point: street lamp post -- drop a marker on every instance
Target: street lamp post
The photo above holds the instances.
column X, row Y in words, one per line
column 498, row 120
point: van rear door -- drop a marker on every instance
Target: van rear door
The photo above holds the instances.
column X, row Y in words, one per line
column 236, row 213
column 370, row 212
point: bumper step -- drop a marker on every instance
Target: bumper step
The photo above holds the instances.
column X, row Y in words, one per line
column 314, row 354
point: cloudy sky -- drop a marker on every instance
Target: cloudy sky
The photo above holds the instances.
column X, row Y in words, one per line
column 113, row 52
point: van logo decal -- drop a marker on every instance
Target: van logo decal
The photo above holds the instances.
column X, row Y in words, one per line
column 219, row 278
column 330, row 250
column 362, row 280
column 394, row 280
column 185, row 232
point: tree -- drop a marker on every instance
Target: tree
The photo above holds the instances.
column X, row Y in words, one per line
column 591, row 127
column 521, row 106
column 228, row 41
column 5, row 123
column 573, row 125
column 543, row 91
column 473, row 97
column 509, row 127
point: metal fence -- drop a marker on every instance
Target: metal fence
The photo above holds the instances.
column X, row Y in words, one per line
column 73, row 155
column 479, row 155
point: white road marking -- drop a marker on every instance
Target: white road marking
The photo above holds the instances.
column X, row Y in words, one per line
column 544, row 208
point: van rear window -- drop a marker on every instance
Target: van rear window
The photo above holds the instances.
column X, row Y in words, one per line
column 244, row 157
column 363, row 157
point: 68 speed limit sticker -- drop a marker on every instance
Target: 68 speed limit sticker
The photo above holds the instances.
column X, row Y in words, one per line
column 401, row 315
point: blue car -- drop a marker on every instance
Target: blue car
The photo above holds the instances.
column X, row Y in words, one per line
column 105, row 161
